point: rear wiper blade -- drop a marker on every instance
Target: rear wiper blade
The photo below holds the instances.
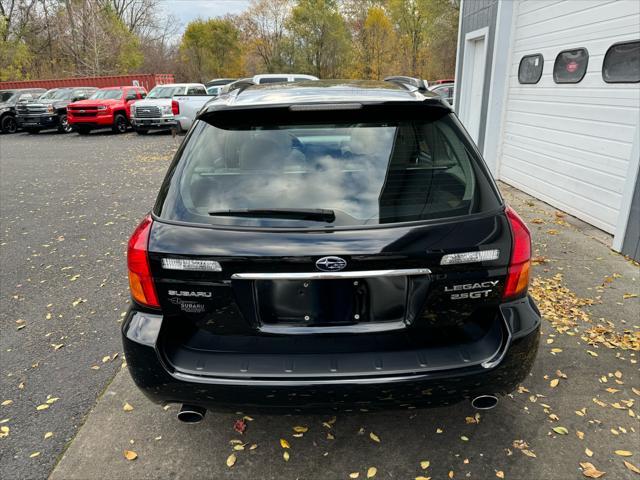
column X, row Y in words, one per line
column 315, row 214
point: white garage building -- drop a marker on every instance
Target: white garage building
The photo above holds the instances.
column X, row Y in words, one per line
column 550, row 92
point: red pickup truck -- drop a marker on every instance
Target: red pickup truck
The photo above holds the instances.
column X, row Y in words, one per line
column 107, row 108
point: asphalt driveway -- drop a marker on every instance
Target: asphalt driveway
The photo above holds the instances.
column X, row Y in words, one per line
column 72, row 202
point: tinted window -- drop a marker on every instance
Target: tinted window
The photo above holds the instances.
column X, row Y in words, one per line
column 570, row 65
column 196, row 91
column 622, row 63
column 367, row 173
column 273, row 80
column 6, row 96
column 530, row 69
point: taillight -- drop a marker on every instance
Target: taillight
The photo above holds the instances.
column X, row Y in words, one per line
column 140, row 281
column 175, row 107
column 520, row 263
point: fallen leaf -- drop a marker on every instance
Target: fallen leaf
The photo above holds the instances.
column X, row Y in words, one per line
column 4, row 431
column 284, row 443
column 632, row 467
column 253, row 446
column 554, row 383
column 588, row 470
column 48, row 435
column 231, row 460
column 629, row 295
column 130, row 455
column 425, row 464
column 499, row 474
column 422, row 478
column 238, row 448
column 34, row 454
column 127, row 407
column 560, row 430
column 285, row 455
column 623, row 453
column 6, row 402
column 240, row 426
column 52, row 400
column 371, row 472
column 106, row 358
column 300, row 429
column 354, row 474
column 44, row 406
column 588, row 452
column 57, row 346
column 374, row 437
column 593, row 354
column 464, row 439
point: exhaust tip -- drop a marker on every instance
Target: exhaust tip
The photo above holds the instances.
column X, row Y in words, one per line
column 191, row 414
column 484, row 402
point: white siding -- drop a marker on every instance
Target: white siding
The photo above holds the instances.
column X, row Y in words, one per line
column 571, row 144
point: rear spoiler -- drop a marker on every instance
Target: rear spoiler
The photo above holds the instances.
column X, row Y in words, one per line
column 416, row 83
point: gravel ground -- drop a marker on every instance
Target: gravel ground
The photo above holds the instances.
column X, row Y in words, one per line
column 67, row 206
column 67, row 202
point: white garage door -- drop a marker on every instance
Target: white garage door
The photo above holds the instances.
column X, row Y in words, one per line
column 570, row 144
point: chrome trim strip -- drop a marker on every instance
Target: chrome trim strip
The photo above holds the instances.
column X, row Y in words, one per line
column 331, row 275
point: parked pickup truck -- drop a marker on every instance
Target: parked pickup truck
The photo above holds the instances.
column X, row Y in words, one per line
column 50, row 110
column 107, row 108
column 159, row 111
column 8, row 101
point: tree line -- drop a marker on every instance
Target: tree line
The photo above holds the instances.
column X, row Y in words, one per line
column 328, row 38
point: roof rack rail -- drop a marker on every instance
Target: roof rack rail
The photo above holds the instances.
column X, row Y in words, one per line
column 417, row 83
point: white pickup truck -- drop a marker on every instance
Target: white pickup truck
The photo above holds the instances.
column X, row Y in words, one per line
column 168, row 106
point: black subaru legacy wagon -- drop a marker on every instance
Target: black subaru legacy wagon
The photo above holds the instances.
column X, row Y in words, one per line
column 329, row 245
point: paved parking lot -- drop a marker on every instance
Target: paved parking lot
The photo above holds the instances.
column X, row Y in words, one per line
column 67, row 206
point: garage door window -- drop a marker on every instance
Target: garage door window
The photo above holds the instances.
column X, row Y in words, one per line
column 530, row 69
column 622, row 63
column 571, row 66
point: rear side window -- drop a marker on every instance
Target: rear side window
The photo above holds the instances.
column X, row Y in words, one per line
column 570, row 66
column 366, row 173
column 622, row 63
column 273, row 80
column 530, row 69
column 196, row 91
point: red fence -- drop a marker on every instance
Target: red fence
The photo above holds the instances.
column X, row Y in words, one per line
column 147, row 80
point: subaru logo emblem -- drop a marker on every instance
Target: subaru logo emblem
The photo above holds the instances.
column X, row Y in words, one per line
column 331, row 264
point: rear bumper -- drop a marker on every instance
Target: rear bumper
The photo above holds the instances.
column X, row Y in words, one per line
column 424, row 386
column 38, row 121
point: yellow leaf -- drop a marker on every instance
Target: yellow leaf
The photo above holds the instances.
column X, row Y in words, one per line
column 623, row 453
column 354, row 474
column 127, row 407
column 632, row 467
column 374, row 437
column 500, row 474
column 372, row 472
column 48, row 435
column 106, row 358
column 284, row 443
column 451, row 474
column 57, row 346
column 231, row 460
column 34, row 454
column 52, row 400
column 4, row 431
column 588, row 470
column 130, row 455
column 588, row 452
column 285, row 455
column 7, row 402
column 593, row 354
column 238, row 448
column 629, row 295
column 422, row 478
column 425, row 464
column 248, row 418
column 464, row 439
column 300, row 429
column 560, row 430
column 253, row 446
column 618, row 374
column 554, row 383
column 44, row 406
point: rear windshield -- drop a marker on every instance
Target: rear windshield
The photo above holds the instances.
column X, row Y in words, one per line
column 364, row 174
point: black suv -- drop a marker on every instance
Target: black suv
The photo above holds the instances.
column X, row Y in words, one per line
column 329, row 244
column 50, row 110
column 8, row 101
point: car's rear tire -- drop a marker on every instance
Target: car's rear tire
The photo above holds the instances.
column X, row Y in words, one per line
column 83, row 130
column 9, row 124
column 141, row 131
column 64, row 126
column 119, row 123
